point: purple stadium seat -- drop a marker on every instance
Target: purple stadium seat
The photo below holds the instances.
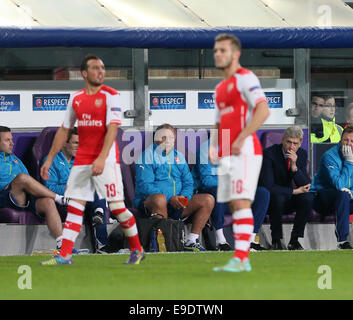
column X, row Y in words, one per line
column 270, row 138
column 40, row 149
column 9, row 215
column 23, row 143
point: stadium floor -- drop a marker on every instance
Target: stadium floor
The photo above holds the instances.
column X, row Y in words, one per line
column 175, row 276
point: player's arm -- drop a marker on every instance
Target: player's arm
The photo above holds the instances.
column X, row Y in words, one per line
column 110, row 136
column 61, row 136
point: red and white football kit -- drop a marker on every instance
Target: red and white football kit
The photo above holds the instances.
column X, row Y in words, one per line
column 93, row 114
column 236, row 99
column 238, row 175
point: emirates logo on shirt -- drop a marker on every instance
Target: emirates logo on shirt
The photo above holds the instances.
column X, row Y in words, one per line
column 98, row 103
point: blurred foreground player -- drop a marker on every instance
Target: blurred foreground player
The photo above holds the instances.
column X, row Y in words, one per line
column 96, row 167
column 241, row 110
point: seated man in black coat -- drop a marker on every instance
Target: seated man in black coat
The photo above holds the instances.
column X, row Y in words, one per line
column 283, row 166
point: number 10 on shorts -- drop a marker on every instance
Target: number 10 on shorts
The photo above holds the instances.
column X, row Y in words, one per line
column 237, row 186
column 111, row 190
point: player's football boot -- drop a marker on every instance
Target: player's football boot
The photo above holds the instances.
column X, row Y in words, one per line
column 56, row 260
column 223, row 247
column 235, row 265
column 194, row 247
column 136, row 257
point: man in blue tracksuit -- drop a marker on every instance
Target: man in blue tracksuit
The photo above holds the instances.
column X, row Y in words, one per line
column 206, row 181
column 59, row 174
column 20, row 191
column 164, row 186
column 333, row 185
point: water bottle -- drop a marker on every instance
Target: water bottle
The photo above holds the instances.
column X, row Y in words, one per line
column 124, row 251
column 161, row 241
column 153, row 241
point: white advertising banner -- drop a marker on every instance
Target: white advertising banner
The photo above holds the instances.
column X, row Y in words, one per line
column 39, row 109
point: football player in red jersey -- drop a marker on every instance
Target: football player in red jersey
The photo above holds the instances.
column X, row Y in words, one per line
column 241, row 110
column 96, row 108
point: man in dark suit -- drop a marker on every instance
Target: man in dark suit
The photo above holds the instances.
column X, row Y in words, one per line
column 285, row 175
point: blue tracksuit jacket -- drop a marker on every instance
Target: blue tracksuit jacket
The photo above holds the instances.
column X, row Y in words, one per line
column 334, row 171
column 157, row 172
column 10, row 167
column 58, row 173
column 204, row 172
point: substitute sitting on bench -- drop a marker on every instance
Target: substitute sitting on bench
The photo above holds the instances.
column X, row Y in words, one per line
column 164, row 186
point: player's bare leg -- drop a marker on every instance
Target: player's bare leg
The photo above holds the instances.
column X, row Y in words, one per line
column 46, row 207
column 157, row 204
column 24, row 184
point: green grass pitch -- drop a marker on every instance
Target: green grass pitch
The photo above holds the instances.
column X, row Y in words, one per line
column 182, row 276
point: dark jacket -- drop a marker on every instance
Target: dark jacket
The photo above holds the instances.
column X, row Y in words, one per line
column 275, row 175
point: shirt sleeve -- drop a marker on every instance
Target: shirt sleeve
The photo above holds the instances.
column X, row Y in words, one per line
column 252, row 90
column 113, row 110
column 70, row 115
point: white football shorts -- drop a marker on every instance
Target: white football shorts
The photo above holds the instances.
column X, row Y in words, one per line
column 238, row 177
column 82, row 185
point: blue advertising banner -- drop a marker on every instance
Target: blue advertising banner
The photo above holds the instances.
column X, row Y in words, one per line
column 165, row 101
column 274, row 99
column 50, row 102
column 9, row 102
column 206, row 100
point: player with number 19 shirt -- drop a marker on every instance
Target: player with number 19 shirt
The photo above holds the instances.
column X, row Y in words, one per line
column 93, row 114
column 96, row 168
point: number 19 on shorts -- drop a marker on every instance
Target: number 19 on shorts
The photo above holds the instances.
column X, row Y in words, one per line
column 111, row 190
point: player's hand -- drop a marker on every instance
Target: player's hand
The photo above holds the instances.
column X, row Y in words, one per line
column 347, row 153
column 293, row 159
column 348, row 191
column 98, row 166
column 175, row 203
column 213, row 155
column 236, row 146
column 292, row 156
column 302, row 189
column 44, row 170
